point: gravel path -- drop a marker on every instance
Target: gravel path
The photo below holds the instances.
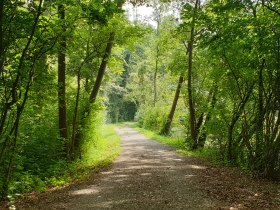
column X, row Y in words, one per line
column 147, row 176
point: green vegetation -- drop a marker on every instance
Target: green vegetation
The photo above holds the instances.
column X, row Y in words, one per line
column 177, row 142
column 211, row 75
column 57, row 64
column 181, row 147
column 101, row 145
column 207, row 72
column 105, row 147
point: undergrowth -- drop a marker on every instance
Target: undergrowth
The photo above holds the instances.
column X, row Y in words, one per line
column 100, row 146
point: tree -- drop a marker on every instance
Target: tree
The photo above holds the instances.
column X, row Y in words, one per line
column 61, row 82
column 16, row 86
column 28, row 122
column 193, row 129
column 166, row 128
column 102, row 68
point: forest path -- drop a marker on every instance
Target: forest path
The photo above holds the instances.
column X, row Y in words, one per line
column 147, row 176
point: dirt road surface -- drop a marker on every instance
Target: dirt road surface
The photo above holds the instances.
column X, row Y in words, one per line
column 151, row 176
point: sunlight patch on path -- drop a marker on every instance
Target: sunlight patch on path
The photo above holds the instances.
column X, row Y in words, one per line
column 147, row 175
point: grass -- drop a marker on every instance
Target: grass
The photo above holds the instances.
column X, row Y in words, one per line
column 180, row 145
column 104, row 149
column 177, row 142
column 100, row 148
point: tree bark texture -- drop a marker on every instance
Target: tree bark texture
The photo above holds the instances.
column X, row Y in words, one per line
column 102, row 68
column 62, row 118
column 260, row 114
column 1, row 36
column 190, row 71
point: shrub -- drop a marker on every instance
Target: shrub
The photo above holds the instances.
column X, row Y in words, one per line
column 152, row 118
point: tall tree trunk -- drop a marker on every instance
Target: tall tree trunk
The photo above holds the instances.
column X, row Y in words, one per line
column 155, row 77
column 8, row 165
column 202, row 135
column 62, row 118
column 236, row 115
column 102, row 68
column 157, row 13
column 75, row 117
column 260, row 113
column 11, row 139
column 166, row 128
column 190, row 71
column 1, row 36
column 13, row 96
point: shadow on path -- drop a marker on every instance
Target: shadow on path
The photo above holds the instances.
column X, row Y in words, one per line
column 147, row 175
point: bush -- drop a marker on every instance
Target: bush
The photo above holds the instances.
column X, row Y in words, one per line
column 39, row 166
column 152, row 118
column 26, row 182
column 101, row 144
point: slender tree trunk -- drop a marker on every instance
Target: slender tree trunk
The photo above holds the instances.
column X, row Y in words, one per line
column 271, row 161
column 13, row 135
column 75, row 146
column 62, row 118
column 277, row 88
column 260, row 113
column 235, row 118
column 102, row 68
column 8, row 167
column 155, row 77
column 190, row 71
column 166, row 128
column 246, row 135
column 1, row 36
column 158, row 21
column 202, row 134
column 75, row 117
column 13, row 94
column 230, row 141
column 198, row 125
column 2, row 123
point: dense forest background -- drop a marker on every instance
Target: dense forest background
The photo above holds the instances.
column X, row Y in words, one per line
column 205, row 71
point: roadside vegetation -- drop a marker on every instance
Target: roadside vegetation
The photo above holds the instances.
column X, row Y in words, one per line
column 101, row 145
column 205, row 73
column 179, row 143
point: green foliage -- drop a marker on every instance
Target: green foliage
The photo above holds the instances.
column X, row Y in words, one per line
column 33, row 156
column 152, row 118
column 26, row 182
column 121, row 108
column 179, row 144
column 234, row 80
column 99, row 150
column 235, row 85
column 101, row 145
